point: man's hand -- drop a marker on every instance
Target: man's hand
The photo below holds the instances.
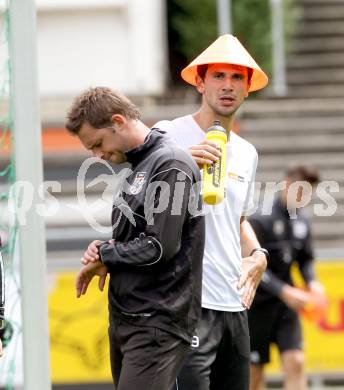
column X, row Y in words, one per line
column 87, row 273
column 316, row 288
column 253, row 268
column 295, row 298
column 91, row 254
column 206, row 152
column 318, row 294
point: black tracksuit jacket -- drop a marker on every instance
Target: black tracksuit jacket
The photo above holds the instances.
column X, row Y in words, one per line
column 155, row 263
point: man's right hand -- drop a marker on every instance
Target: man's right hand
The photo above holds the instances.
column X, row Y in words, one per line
column 206, row 152
column 91, row 254
column 87, row 273
column 294, row 297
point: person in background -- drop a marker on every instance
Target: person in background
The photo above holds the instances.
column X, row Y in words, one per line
column 274, row 314
column 224, row 74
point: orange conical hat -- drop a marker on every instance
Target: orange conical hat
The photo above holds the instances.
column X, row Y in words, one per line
column 226, row 50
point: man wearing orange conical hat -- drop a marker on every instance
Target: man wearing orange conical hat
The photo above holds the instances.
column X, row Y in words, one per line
column 233, row 262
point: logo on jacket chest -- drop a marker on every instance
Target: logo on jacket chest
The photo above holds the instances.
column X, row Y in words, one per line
column 138, row 183
column 278, row 227
column 300, row 229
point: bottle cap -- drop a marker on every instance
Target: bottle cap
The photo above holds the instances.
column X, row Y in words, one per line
column 217, row 126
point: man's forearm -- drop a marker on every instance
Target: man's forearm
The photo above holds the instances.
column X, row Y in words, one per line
column 253, row 264
column 272, row 284
column 249, row 242
column 248, row 238
column 142, row 251
column 307, row 270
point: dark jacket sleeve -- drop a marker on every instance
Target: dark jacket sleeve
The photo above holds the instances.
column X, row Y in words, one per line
column 305, row 258
column 169, row 191
column 271, row 283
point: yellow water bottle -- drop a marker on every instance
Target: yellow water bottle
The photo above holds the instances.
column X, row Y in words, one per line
column 214, row 175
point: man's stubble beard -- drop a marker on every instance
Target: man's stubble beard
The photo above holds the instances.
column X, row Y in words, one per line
column 224, row 113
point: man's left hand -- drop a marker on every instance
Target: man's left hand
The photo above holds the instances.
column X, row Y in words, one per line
column 253, row 268
column 86, row 274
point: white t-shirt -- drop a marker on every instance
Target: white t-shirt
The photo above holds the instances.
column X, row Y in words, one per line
column 222, row 255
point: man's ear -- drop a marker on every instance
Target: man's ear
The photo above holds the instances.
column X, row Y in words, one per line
column 199, row 84
column 118, row 120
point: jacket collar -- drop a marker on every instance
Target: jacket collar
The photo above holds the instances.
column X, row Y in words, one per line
column 152, row 142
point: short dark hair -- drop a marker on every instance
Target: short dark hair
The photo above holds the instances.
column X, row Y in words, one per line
column 303, row 172
column 202, row 71
column 96, row 106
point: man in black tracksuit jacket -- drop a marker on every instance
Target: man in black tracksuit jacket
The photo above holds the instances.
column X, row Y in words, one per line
column 155, row 257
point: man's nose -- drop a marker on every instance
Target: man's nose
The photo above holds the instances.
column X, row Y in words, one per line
column 227, row 84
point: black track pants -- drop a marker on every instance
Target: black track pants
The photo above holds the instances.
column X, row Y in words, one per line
column 221, row 361
column 143, row 357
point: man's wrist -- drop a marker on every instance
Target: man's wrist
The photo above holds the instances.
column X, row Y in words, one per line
column 285, row 290
column 261, row 250
column 99, row 252
column 315, row 286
